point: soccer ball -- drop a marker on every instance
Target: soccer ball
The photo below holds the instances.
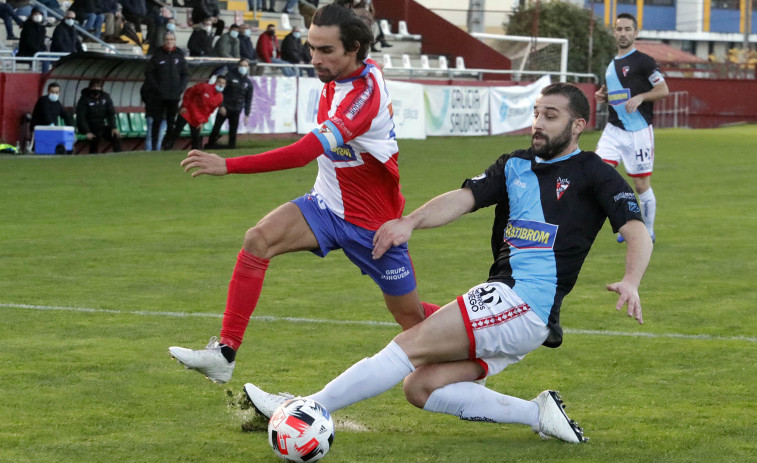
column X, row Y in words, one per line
column 301, row 430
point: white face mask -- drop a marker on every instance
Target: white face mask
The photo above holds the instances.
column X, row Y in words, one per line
column 234, row 34
column 243, row 70
column 69, row 22
column 37, row 18
column 53, row 97
column 219, row 88
column 171, row 27
column 208, row 28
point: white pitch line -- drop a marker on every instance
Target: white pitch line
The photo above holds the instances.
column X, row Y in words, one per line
column 267, row 318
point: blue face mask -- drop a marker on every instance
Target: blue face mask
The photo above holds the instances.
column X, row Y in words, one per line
column 53, row 97
column 171, row 27
column 234, row 34
column 219, row 88
column 243, row 70
column 297, row 35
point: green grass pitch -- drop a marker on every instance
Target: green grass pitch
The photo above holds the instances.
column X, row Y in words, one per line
column 151, row 250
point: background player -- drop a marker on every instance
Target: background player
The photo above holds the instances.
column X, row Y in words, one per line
column 551, row 201
column 356, row 190
column 633, row 82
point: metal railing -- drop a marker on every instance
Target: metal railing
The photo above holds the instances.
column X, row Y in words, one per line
column 81, row 30
column 10, row 60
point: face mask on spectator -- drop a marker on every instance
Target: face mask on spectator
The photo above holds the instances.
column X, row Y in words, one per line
column 243, row 70
column 219, row 88
column 69, row 22
column 171, row 27
column 53, row 97
column 297, row 35
column 234, row 34
column 208, row 28
column 271, row 32
column 37, row 18
column 247, row 32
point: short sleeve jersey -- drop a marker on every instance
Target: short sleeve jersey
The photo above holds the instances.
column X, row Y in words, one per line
column 626, row 77
column 358, row 175
column 547, row 215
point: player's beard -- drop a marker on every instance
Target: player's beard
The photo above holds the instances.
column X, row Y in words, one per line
column 553, row 147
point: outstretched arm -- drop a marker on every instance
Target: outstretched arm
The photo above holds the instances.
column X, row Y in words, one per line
column 439, row 211
column 639, row 250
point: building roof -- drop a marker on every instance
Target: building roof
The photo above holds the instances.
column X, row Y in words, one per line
column 664, row 53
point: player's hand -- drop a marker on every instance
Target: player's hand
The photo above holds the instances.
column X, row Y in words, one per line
column 633, row 103
column 391, row 233
column 629, row 295
column 90, row 135
column 601, row 94
column 222, row 111
column 246, row 120
column 116, row 133
column 204, row 163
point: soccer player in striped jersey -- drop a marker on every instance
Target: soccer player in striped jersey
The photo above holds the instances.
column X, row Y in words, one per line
column 356, row 190
column 633, row 83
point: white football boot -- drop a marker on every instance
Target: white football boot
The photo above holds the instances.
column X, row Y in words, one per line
column 265, row 403
column 553, row 422
column 209, row 361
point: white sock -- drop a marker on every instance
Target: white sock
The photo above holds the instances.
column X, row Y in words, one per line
column 474, row 402
column 367, row 378
column 648, row 209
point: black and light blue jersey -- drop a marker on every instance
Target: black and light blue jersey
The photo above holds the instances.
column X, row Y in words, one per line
column 546, row 218
column 626, row 77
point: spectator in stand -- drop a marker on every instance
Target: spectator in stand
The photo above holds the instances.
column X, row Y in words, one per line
column 289, row 7
column 8, row 16
column 134, row 13
column 49, row 109
column 168, row 74
column 90, row 15
column 96, row 116
column 112, row 18
column 65, row 37
column 201, row 40
column 169, row 25
column 236, row 96
column 204, row 9
column 296, row 52
column 199, row 103
column 227, row 45
column 246, row 48
column 149, row 96
column 21, row 7
column 267, row 50
column 52, row 5
column 33, row 37
column 261, row 5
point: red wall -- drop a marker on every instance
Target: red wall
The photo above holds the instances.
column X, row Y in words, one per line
column 18, row 94
column 440, row 37
column 715, row 102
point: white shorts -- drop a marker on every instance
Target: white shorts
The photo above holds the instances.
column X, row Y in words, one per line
column 501, row 328
column 634, row 149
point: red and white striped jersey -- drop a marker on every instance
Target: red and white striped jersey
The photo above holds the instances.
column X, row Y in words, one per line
column 358, row 177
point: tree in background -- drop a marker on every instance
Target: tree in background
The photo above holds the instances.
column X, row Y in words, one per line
column 564, row 20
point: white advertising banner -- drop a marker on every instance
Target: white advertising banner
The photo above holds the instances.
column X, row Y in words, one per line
column 456, row 110
column 308, row 95
column 512, row 108
column 409, row 111
column 274, row 102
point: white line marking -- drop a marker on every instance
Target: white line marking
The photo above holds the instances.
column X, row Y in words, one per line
column 267, row 318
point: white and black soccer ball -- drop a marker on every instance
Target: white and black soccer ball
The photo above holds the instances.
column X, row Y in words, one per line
column 301, row 430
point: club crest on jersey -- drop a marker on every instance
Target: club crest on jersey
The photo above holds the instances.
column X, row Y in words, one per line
column 625, row 70
column 562, row 185
column 530, row 234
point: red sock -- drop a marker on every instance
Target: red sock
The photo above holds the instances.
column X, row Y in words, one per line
column 244, row 291
column 429, row 308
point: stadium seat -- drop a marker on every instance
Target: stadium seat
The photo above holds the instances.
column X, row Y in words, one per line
column 385, row 28
column 387, row 62
column 459, row 63
column 285, row 24
column 443, row 63
column 138, row 124
column 403, row 32
column 406, row 61
column 123, row 125
column 424, row 62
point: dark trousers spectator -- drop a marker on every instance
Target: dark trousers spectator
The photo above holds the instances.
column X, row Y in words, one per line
column 164, row 110
column 233, row 117
column 8, row 16
column 194, row 131
column 104, row 133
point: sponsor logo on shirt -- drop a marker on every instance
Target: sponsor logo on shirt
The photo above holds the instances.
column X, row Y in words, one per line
column 619, row 96
column 562, row 185
column 624, row 195
column 360, row 100
column 519, row 183
column 633, row 206
column 342, row 153
column 529, row 234
column 395, row 274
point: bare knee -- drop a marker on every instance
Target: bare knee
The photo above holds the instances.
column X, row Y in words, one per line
column 256, row 244
column 417, row 391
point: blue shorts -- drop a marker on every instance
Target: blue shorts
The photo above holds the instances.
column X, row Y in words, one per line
column 393, row 273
